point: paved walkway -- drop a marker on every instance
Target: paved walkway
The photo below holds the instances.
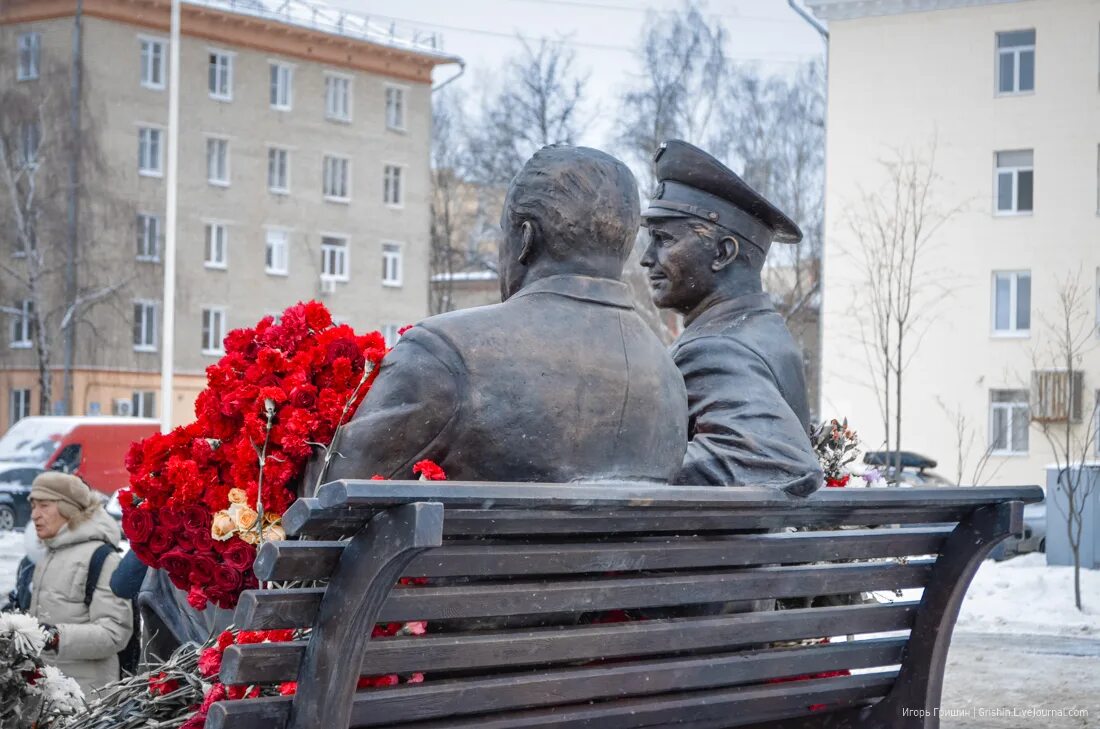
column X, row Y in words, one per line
column 993, row 681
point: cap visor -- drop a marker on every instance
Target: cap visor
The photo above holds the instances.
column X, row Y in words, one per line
column 655, row 212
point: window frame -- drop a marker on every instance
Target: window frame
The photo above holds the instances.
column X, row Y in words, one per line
column 388, row 187
column 1013, row 332
column 274, row 149
column 345, row 254
column 396, row 258
column 275, row 68
column 230, row 60
column 149, row 327
column 223, row 141
column 138, row 400
column 206, row 327
column 158, row 131
column 142, row 221
column 34, row 55
column 330, row 114
column 1016, row 52
column 209, row 226
column 388, row 338
column 1015, row 171
column 153, row 41
column 285, row 232
column 404, row 95
column 24, row 324
column 326, row 159
column 1009, row 407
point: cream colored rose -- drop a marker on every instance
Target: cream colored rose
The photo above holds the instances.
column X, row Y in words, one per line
column 270, row 517
column 238, row 496
column 249, row 537
column 274, row 533
column 223, row 526
column 245, row 518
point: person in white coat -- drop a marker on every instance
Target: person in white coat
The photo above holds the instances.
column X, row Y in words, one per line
column 85, row 636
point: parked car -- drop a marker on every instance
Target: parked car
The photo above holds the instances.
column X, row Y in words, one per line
column 914, row 468
column 15, row 488
column 1034, row 538
column 93, row 448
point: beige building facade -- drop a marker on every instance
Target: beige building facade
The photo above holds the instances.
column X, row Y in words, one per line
column 1005, row 98
column 303, row 174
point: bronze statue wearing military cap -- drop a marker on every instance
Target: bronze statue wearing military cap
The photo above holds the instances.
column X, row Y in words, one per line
column 709, row 237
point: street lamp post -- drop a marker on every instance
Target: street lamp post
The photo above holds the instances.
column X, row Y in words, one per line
column 168, row 325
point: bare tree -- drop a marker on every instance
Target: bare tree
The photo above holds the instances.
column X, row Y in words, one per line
column 445, row 209
column 39, row 148
column 536, row 102
column 683, row 62
column 1057, row 397
column 894, row 228
column 966, row 433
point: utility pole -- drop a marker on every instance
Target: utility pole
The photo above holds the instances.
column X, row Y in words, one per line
column 72, row 247
column 168, row 323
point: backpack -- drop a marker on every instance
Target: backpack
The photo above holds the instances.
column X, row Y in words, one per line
column 129, row 656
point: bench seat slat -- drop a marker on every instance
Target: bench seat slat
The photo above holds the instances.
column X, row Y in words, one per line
column 277, row 662
column 306, row 517
column 296, row 560
column 741, row 705
column 296, row 608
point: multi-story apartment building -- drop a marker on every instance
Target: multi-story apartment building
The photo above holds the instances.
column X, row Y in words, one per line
column 1006, row 93
column 303, row 174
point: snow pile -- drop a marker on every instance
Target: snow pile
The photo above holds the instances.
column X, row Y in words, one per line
column 1025, row 595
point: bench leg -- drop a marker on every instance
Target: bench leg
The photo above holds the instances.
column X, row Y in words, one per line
column 369, row 567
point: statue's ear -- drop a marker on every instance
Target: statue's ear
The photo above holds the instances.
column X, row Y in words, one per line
column 728, row 248
column 529, row 233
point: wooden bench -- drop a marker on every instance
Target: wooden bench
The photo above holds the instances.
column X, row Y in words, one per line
column 551, row 553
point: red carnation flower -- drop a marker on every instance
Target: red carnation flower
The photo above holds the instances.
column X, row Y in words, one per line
column 429, row 471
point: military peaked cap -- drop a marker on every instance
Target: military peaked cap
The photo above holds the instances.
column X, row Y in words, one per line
column 691, row 183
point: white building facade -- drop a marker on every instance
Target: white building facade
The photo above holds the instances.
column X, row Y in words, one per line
column 1003, row 99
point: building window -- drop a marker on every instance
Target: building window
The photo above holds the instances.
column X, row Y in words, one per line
column 275, row 256
column 217, row 161
column 334, row 258
column 220, row 75
column 1012, row 303
column 338, row 97
column 217, row 244
column 391, row 264
column 19, row 405
column 149, row 152
column 1008, row 422
column 22, row 324
column 145, row 326
column 148, row 237
column 28, row 56
column 392, row 193
column 336, row 178
column 30, row 136
column 395, row 108
column 389, row 333
column 282, row 80
column 213, row 331
column 1016, row 62
column 278, row 170
column 1015, row 181
column 152, row 63
column 143, row 404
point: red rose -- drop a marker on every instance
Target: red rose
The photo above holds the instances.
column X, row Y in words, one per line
column 196, row 598
column 202, row 569
column 226, row 579
column 429, row 471
column 170, row 518
column 176, row 562
column 239, row 555
column 304, row 397
column 137, row 525
column 161, row 540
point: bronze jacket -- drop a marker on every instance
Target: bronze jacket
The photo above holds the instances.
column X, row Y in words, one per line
column 562, row 382
column 748, row 418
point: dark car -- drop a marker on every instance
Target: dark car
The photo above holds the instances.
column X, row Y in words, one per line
column 15, row 487
column 914, row 468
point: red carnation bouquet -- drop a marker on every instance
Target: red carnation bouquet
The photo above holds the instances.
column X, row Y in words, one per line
column 202, row 497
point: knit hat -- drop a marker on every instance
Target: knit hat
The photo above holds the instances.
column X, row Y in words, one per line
column 74, row 498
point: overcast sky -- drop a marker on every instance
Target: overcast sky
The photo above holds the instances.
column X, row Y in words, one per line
column 604, row 33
